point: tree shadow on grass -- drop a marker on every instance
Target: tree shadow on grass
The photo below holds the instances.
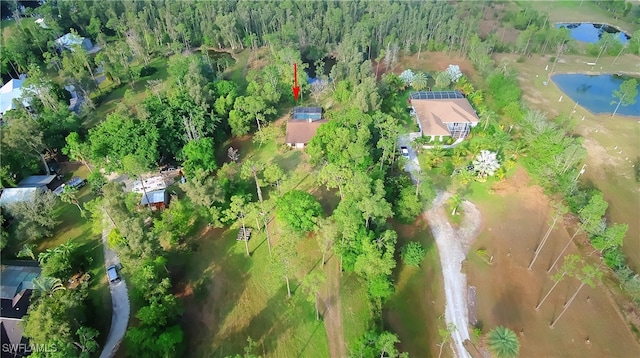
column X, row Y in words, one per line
column 209, row 280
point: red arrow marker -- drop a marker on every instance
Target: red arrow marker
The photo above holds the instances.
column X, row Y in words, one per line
column 296, row 88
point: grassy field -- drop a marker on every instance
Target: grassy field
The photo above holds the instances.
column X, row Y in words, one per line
column 604, row 137
column 414, row 312
column 231, row 297
column 117, row 95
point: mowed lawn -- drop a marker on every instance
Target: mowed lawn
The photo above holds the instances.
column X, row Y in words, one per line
column 611, row 143
column 416, row 310
column 230, row 297
column 507, row 292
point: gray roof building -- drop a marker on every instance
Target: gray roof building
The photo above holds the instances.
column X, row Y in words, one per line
column 36, row 181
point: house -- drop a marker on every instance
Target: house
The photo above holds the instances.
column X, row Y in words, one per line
column 154, row 183
column 16, row 287
column 15, row 195
column 303, row 125
column 69, row 41
column 10, row 91
column 49, row 181
column 157, row 199
column 443, row 114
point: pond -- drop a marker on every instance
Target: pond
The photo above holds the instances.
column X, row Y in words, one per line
column 591, row 33
column 218, row 60
column 594, row 92
column 329, row 62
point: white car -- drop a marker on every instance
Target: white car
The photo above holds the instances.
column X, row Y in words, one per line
column 404, row 151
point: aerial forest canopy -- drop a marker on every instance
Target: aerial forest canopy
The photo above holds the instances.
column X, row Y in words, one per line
column 316, row 27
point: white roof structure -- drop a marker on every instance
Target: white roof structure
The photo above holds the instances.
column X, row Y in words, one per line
column 70, row 40
column 10, row 91
column 15, row 195
column 155, row 183
column 40, row 22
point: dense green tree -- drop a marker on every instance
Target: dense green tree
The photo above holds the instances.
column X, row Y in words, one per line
column 198, row 155
column 36, row 217
column 298, row 210
column 75, row 149
column 312, row 283
column 412, row 253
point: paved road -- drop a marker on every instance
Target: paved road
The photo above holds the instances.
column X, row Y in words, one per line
column 119, row 302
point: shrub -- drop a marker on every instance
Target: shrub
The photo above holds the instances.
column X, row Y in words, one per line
column 147, row 71
column 412, row 253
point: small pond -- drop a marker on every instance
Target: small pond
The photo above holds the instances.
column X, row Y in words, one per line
column 594, row 92
column 218, row 59
column 591, row 33
column 329, row 62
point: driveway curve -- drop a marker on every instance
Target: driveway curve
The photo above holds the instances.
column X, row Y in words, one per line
column 453, row 246
column 119, row 303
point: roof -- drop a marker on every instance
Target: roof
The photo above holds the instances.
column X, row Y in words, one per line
column 154, row 183
column 36, row 181
column 302, row 131
column 14, row 279
column 436, row 95
column 68, row 40
column 14, row 195
column 17, row 307
column 155, row 197
column 307, row 113
column 434, row 114
column 10, row 91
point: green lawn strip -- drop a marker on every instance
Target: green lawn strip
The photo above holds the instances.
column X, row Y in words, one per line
column 413, row 312
column 356, row 309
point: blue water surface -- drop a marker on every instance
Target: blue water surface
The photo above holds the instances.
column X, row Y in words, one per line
column 595, row 92
column 591, row 33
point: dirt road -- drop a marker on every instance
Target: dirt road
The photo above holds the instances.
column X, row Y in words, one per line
column 119, row 302
column 453, row 246
column 332, row 314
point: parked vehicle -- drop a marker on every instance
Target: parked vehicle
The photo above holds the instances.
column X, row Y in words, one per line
column 404, row 151
column 112, row 274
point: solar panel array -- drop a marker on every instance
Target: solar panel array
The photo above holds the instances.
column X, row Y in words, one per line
column 307, row 110
column 307, row 113
column 436, row 95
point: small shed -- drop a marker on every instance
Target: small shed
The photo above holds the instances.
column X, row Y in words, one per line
column 157, row 199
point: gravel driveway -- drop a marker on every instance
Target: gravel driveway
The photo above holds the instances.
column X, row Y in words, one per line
column 453, row 246
column 119, row 302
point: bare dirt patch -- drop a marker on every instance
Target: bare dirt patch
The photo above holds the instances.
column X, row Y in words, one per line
column 507, row 292
column 332, row 313
column 435, row 61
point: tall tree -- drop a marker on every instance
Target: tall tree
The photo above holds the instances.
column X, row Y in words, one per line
column 568, row 268
column 558, row 211
column 626, row 94
column 237, row 210
column 298, row 210
column 326, row 234
column 588, row 275
column 312, row 283
column 75, row 149
column 70, row 195
column 250, row 169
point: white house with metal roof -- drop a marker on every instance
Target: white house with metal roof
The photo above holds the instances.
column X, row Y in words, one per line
column 10, row 91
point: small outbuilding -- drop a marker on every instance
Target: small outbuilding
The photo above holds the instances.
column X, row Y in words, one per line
column 48, row 181
column 69, row 41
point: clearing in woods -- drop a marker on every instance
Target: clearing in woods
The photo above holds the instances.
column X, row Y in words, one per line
column 507, row 292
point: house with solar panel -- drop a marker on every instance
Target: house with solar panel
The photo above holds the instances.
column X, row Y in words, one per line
column 303, row 125
column 443, row 114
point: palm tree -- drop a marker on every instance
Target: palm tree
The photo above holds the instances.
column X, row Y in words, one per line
column 47, row 285
column 486, row 164
column 455, row 201
column 503, row 342
column 568, row 269
column 27, row 251
column 560, row 210
column 69, row 195
column 419, row 81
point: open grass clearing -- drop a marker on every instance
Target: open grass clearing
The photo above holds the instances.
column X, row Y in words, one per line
column 230, row 297
column 605, row 137
column 507, row 292
column 414, row 312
